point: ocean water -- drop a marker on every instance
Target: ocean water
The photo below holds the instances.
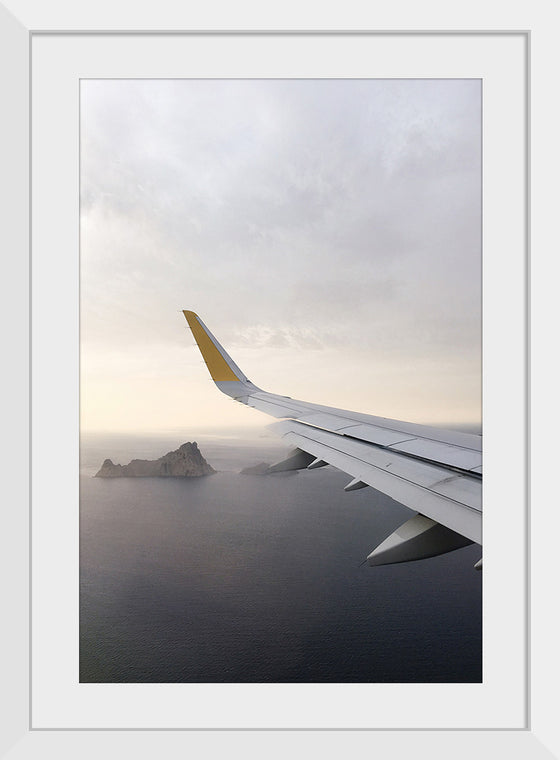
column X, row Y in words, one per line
column 240, row 578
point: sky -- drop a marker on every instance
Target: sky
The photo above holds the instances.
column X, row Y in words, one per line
column 328, row 232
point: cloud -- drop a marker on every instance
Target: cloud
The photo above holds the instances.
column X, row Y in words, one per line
column 291, row 214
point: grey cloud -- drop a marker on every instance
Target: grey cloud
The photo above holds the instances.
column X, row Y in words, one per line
column 351, row 208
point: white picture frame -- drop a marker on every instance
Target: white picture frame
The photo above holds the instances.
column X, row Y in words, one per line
column 536, row 737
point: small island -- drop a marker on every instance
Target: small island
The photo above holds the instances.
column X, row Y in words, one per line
column 184, row 462
column 261, row 468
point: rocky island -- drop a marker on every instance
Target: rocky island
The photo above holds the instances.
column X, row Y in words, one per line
column 185, row 462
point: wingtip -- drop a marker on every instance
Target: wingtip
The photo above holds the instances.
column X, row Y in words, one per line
column 221, row 366
column 193, row 320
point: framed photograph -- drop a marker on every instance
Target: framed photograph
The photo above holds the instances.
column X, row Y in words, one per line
column 73, row 79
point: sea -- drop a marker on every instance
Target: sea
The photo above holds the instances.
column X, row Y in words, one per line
column 250, row 578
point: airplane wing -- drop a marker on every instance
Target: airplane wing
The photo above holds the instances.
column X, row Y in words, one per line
column 437, row 473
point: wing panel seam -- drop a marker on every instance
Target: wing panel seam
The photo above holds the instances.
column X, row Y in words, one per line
column 400, row 477
column 303, row 406
column 416, row 457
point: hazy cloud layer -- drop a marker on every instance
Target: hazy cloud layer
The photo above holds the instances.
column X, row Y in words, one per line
column 299, row 215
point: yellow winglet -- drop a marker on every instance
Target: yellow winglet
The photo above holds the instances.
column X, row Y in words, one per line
column 217, row 365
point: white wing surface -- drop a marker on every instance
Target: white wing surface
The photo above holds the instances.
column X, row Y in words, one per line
column 437, row 473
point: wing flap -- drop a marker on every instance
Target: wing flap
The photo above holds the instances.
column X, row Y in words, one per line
column 452, row 456
column 452, row 500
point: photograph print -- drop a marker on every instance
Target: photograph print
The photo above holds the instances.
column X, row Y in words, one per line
column 280, row 381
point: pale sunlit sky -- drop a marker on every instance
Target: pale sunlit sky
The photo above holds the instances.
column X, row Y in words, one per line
column 326, row 231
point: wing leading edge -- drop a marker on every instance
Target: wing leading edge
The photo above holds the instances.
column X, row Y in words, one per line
column 437, row 473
